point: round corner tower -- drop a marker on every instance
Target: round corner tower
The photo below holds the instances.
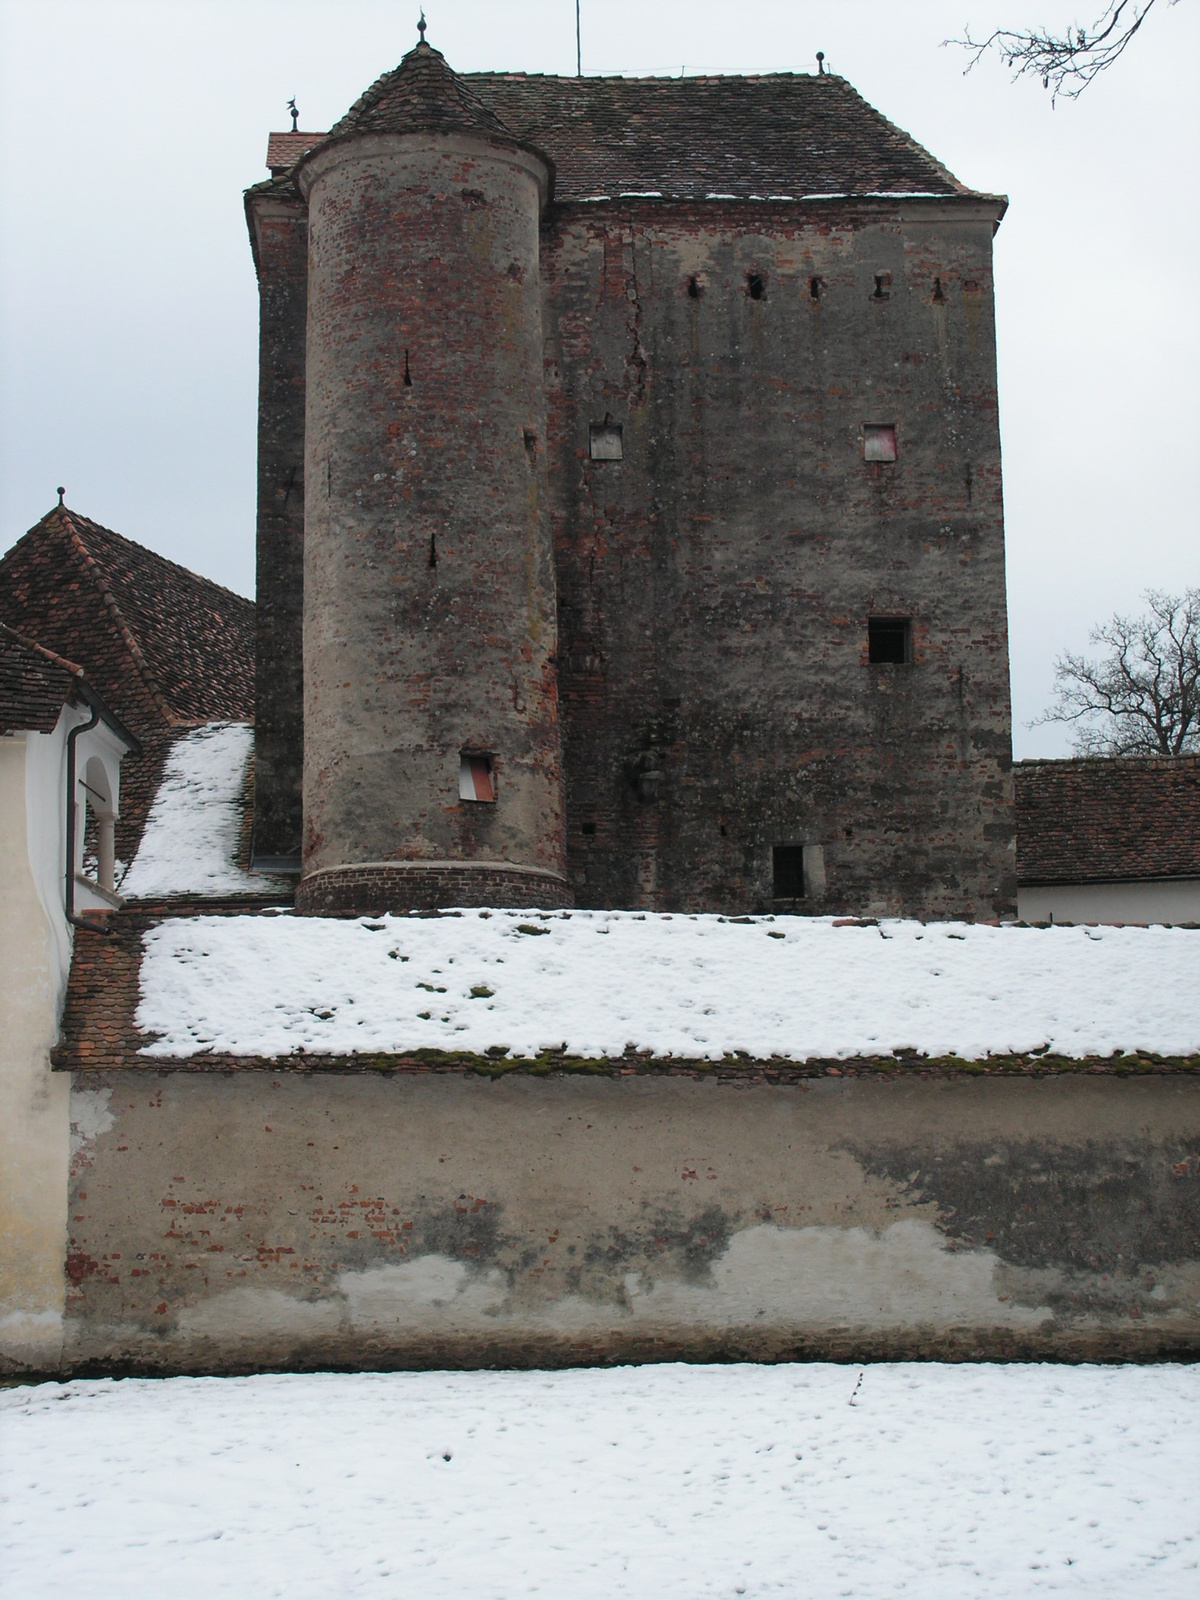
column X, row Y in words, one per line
column 432, row 765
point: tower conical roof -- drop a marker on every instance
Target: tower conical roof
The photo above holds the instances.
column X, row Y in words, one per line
column 423, row 94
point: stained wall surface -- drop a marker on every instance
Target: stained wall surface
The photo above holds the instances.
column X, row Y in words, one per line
column 259, row 1218
column 715, row 584
column 429, row 619
column 279, row 229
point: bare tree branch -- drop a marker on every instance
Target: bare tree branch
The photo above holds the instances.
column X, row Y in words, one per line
column 1143, row 698
column 1067, row 62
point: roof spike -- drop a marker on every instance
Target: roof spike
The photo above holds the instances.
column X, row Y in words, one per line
column 422, row 25
column 821, row 63
column 295, row 113
column 61, row 494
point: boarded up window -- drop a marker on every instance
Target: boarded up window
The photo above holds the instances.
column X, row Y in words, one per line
column 879, row 441
column 476, row 778
column 605, row 441
column 888, row 641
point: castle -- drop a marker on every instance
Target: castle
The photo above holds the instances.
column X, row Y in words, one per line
column 630, row 526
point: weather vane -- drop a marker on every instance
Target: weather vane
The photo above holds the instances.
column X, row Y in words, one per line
column 295, row 113
column 421, row 26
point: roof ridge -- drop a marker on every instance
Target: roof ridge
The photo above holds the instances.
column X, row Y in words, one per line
column 114, row 610
column 52, row 656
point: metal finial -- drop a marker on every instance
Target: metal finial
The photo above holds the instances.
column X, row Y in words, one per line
column 421, row 26
column 295, row 113
column 61, row 493
column 821, row 63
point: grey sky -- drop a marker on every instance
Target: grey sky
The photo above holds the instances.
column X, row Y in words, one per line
column 128, row 339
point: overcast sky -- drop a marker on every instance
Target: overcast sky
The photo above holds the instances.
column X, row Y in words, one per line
column 128, row 323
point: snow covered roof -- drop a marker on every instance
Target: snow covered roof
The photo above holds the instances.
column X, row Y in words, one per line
column 620, row 990
column 193, row 837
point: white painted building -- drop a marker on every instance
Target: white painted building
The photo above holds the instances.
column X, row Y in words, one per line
column 60, row 761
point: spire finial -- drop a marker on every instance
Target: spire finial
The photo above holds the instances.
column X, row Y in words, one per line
column 295, row 113
column 61, row 493
column 421, row 26
column 821, row 63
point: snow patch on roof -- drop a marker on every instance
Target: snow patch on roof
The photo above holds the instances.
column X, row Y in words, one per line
column 592, row 983
column 190, row 842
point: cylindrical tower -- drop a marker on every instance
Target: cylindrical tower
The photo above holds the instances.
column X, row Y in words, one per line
column 432, row 768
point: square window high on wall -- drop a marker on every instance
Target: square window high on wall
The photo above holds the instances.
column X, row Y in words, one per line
column 879, row 441
column 476, row 778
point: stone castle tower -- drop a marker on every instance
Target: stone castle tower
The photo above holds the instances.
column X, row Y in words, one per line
column 432, row 770
column 630, row 526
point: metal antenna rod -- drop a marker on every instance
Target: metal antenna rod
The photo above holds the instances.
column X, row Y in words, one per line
column 578, row 45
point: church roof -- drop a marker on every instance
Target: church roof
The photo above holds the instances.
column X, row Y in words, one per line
column 162, row 645
column 779, row 136
column 1108, row 819
column 35, row 684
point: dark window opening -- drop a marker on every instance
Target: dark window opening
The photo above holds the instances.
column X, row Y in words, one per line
column 605, row 441
column 849, row 832
column 888, row 641
column 476, row 777
column 724, row 831
column 939, row 294
column 755, row 285
column 530, row 442
column 787, row 861
column 694, row 288
column 407, row 373
column 433, row 549
column 814, row 288
column 879, row 441
column 883, row 286
column 588, row 828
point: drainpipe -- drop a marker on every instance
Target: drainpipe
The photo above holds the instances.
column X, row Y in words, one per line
column 81, row 727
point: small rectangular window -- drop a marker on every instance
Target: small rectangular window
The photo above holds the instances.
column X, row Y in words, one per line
column 888, row 641
column 788, row 864
column 476, row 778
column 879, row 441
column 605, row 441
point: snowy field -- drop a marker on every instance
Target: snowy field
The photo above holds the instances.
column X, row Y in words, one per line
column 189, row 845
column 593, row 982
column 935, row 1482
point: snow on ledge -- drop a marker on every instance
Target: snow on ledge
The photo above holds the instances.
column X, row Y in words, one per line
column 190, row 841
column 594, row 982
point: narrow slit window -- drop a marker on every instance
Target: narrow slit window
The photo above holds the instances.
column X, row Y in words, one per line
column 879, row 441
column 605, row 442
column 476, row 778
column 756, row 286
column 883, row 286
column 787, row 861
column 888, row 641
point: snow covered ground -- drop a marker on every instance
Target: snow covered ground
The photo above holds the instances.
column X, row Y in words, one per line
column 935, row 1482
column 593, row 982
column 189, row 845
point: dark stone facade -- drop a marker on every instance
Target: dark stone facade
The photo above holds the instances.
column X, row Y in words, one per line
column 716, row 696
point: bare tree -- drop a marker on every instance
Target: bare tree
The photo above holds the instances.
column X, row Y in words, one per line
column 1067, row 61
column 1143, row 697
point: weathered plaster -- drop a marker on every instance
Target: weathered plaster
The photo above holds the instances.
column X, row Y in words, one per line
column 226, row 1221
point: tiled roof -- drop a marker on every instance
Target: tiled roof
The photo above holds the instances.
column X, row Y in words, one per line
column 285, row 149
column 161, row 645
column 421, row 94
column 792, row 135
column 35, row 684
column 1108, row 819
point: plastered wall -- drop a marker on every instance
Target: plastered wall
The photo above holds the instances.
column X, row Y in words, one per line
column 229, row 1220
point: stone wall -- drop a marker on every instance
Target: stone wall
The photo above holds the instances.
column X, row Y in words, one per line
column 715, row 584
column 228, row 1220
column 279, row 229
